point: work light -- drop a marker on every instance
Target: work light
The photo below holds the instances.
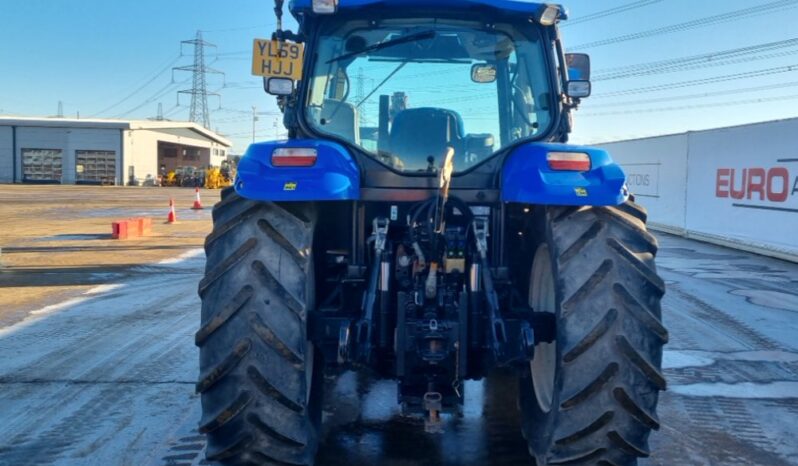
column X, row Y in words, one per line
column 325, row 7
column 548, row 15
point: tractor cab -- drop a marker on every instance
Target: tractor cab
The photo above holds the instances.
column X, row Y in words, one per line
column 405, row 90
column 402, row 82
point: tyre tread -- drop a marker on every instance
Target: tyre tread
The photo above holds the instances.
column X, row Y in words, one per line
column 209, row 378
column 610, row 320
column 254, row 395
column 228, row 311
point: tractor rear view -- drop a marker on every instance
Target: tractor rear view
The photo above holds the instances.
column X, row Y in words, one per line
column 426, row 221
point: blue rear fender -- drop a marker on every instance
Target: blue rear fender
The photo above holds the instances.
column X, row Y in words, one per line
column 334, row 176
column 527, row 178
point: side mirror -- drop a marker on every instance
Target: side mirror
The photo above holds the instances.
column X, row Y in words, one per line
column 278, row 86
column 578, row 89
column 483, row 73
column 578, row 66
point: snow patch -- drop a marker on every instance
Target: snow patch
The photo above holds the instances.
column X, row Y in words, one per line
column 97, row 292
column 104, row 288
column 682, row 358
column 772, row 390
column 182, row 257
column 59, row 306
column 86, row 295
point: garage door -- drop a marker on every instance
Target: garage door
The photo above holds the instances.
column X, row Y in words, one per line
column 95, row 166
column 41, row 165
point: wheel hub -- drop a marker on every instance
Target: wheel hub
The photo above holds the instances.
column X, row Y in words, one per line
column 542, row 300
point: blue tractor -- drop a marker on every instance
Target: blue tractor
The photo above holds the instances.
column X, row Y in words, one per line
column 426, row 221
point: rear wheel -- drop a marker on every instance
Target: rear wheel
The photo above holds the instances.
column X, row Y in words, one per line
column 591, row 395
column 259, row 379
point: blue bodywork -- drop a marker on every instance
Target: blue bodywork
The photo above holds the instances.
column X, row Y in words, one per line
column 527, row 178
column 510, row 6
column 334, row 177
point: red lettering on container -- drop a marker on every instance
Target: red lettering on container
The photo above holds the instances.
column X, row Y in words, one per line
column 738, row 194
column 775, row 173
column 722, row 183
column 757, row 186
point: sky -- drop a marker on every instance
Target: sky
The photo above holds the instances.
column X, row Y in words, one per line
column 114, row 59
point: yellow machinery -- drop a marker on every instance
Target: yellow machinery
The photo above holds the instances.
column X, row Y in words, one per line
column 170, row 179
column 219, row 177
column 214, row 178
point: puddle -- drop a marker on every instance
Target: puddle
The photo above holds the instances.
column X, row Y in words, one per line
column 771, row 299
column 695, row 255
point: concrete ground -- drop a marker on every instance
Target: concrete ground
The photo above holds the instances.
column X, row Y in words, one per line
column 56, row 240
column 106, row 374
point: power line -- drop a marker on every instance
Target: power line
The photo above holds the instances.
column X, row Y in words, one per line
column 735, row 15
column 140, row 88
column 609, row 12
column 695, row 96
column 693, row 107
column 725, row 57
column 158, row 94
column 242, row 28
column 173, row 110
column 700, row 82
column 245, row 112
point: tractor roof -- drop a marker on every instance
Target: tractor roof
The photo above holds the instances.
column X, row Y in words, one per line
column 513, row 6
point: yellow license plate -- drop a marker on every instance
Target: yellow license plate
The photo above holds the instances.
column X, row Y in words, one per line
column 275, row 59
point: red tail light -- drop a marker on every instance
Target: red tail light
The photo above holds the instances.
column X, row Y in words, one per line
column 294, row 157
column 569, row 161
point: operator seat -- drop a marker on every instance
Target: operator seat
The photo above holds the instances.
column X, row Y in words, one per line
column 420, row 133
column 340, row 119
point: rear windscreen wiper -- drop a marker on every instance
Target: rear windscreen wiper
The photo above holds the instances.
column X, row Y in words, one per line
column 416, row 36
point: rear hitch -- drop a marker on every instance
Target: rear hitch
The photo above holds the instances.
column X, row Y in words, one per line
column 343, row 343
column 498, row 333
column 433, row 404
column 365, row 326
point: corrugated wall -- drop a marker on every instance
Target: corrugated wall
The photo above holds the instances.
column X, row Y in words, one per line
column 68, row 140
column 734, row 186
column 6, row 154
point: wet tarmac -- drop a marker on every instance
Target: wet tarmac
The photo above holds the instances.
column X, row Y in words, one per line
column 107, row 378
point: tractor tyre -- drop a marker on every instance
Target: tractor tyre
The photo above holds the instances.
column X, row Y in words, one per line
column 590, row 396
column 260, row 384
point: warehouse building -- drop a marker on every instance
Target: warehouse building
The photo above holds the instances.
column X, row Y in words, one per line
column 75, row 151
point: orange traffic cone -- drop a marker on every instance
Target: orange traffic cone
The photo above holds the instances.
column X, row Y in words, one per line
column 197, row 202
column 172, row 217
